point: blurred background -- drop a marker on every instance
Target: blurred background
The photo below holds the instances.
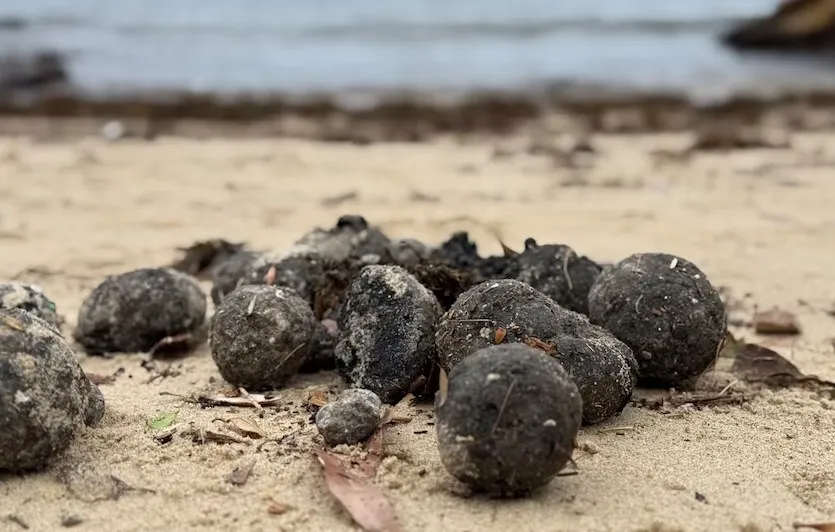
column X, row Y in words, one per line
column 101, row 47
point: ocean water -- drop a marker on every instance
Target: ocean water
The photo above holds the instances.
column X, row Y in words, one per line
column 424, row 45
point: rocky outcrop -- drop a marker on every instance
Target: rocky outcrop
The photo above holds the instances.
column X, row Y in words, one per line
column 796, row 25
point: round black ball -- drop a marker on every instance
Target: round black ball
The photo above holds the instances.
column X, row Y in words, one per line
column 508, row 422
column 666, row 310
column 133, row 311
column 261, row 335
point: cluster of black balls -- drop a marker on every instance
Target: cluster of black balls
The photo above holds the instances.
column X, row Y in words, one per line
column 530, row 345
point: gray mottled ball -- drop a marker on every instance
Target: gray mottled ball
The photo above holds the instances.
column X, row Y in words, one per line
column 410, row 252
column 45, row 397
column 133, row 311
column 666, row 310
column 509, row 311
column 508, row 422
column 557, row 272
column 351, row 237
column 229, row 273
column 386, row 329
column 351, row 418
column 261, row 335
column 300, row 268
column 30, row 298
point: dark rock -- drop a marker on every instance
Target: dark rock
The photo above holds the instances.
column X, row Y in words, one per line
column 45, row 397
column 134, row 311
column 300, row 268
column 666, row 310
column 260, row 336
column 30, row 298
column 795, row 26
column 351, row 237
column 351, row 418
column 386, row 328
column 509, row 311
column 508, row 422
column 229, row 273
column 462, row 254
column 557, row 272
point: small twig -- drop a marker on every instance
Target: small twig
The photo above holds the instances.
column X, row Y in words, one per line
column 617, row 429
column 251, row 306
column 728, row 387
column 245, row 395
column 169, row 340
column 565, row 270
column 504, row 405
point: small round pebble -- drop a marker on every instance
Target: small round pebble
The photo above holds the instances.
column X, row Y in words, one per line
column 508, row 311
column 133, row 311
column 30, row 298
column 301, row 268
column 387, row 329
column 666, row 310
column 351, row 418
column 260, row 336
column 508, row 422
column 351, row 237
column 557, row 272
column 45, row 397
column 228, row 274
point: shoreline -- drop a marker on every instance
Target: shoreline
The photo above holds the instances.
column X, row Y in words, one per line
column 370, row 117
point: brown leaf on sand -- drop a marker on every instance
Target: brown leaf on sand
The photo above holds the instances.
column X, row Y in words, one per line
column 318, row 398
column 776, row 321
column 755, row 363
column 542, row 345
column 374, row 454
column 240, row 475
column 364, row 500
column 820, row 527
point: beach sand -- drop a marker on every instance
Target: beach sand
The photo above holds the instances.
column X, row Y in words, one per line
column 759, row 222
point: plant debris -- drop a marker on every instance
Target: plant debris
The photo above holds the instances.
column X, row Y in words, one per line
column 165, row 436
column 318, row 398
column 820, row 527
column 244, row 427
column 201, row 257
column 277, row 508
column 252, row 400
column 776, row 321
column 358, row 494
column 240, row 475
column 203, row 436
column 163, row 420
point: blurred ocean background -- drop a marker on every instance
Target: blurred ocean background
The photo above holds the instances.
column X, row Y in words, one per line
column 420, row 45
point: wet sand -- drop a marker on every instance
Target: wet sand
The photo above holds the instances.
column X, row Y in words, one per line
column 758, row 222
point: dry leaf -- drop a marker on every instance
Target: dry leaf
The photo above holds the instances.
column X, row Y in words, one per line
column 245, row 427
column 500, row 334
column 756, row 363
column 536, row 343
column 374, row 454
column 364, row 500
column 277, row 508
column 443, row 386
column 240, row 475
column 776, row 321
column 820, row 527
column 318, row 398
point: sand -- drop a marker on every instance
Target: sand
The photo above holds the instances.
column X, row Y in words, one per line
column 759, row 222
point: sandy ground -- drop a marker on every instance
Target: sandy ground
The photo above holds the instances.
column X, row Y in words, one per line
column 760, row 222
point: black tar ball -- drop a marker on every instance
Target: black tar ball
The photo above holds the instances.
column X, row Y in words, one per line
column 666, row 310
column 228, row 274
column 133, row 311
column 557, row 272
column 301, row 268
column 387, row 329
column 45, row 397
column 351, row 237
column 261, row 335
column 30, row 298
column 508, row 311
column 508, row 421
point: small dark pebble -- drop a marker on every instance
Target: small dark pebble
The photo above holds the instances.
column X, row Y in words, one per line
column 666, row 310
column 508, row 311
column 30, row 298
column 45, row 397
column 351, row 418
column 386, row 329
column 508, row 422
column 134, row 311
column 69, row 521
column 557, row 272
column 260, row 336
